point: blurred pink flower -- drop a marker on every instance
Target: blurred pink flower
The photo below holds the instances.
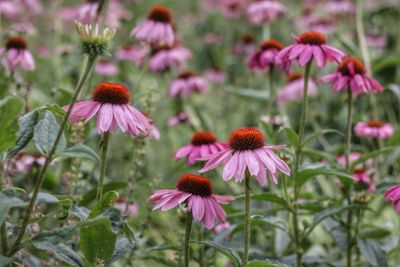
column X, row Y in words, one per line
column 9, row 9
column 168, row 58
column 231, row 8
column 203, row 144
column 212, row 38
column 309, row 45
column 340, row 7
column 352, row 74
column 111, row 103
column 221, row 227
column 245, row 46
column 294, row 89
column 215, row 75
column 133, row 53
column 186, row 83
column 375, row 129
column 274, row 120
column 24, row 162
column 106, row 67
column 179, row 118
column 157, row 29
column 376, row 41
column 247, row 150
column 265, row 57
column 393, row 194
column 17, row 54
column 131, row 209
column 264, row 11
column 197, row 192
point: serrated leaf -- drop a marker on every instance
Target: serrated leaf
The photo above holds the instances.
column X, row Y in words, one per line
column 27, row 125
column 97, row 240
column 9, row 110
column 230, row 253
column 80, row 151
column 45, row 135
column 104, row 204
column 91, row 195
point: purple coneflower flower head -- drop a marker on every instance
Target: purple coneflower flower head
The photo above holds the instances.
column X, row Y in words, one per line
column 24, row 162
column 106, row 67
column 179, row 118
column 340, row 7
column 246, row 45
column 134, row 53
column 265, row 57
column 166, row 58
column 131, row 209
column 263, row 11
column 376, row 129
column 231, row 8
column 203, row 144
column 157, row 29
column 110, row 101
column 364, row 180
column 247, row 151
column 376, row 41
column 221, row 227
column 17, row 54
column 393, row 194
column 352, row 74
column 197, row 193
column 215, row 75
column 294, row 89
column 309, row 46
column 186, row 83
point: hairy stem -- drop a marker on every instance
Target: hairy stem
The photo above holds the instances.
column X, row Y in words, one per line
column 247, row 220
column 189, row 218
column 103, row 163
column 39, row 179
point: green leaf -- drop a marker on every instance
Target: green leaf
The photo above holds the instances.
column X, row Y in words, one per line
column 270, row 197
column 91, row 195
column 322, row 132
column 291, row 136
column 27, row 125
column 367, row 156
column 46, row 198
column 250, row 93
column 97, row 240
column 122, row 246
column 372, row 252
column 56, row 235
column 45, row 135
column 8, row 201
column 10, row 108
column 304, row 175
column 104, row 204
column 80, row 151
column 267, row 263
column 56, row 110
column 383, row 62
column 61, row 252
column 230, row 253
column 4, row 261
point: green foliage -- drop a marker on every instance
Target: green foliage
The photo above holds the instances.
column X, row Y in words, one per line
column 9, row 111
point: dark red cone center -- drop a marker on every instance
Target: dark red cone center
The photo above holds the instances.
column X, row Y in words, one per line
column 111, row 93
column 358, row 66
column 312, row 38
column 160, row 14
column 246, row 139
column 271, row 43
column 194, row 184
column 203, row 138
column 375, row 124
column 16, row 43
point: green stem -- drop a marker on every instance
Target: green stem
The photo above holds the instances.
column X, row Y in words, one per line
column 247, row 220
column 189, row 218
column 296, row 229
column 349, row 191
column 4, row 240
column 201, row 249
column 271, row 97
column 103, row 163
column 39, row 180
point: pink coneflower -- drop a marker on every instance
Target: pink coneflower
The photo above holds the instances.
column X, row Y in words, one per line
column 246, row 45
column 24, row 162
column 197, row 193
column 309, row 45
column 9, row 9
column 106, row 67
column 352, row 157
column 157, row 29
column 203, row 144
column 134, row 53
column 393, row 194
column 352, row 74
column 375, row 129
column 215, row 75
column 179, row 118
column 231, row 8
column 221, row 227
column 265, row 57
column 294, row 89
column 166, row 58
column 340, row 7
column 376, row 41
column 111, row 102
column 186, row 83
column 260, row 12
column 130, row 209
column 247, row 150
column 17, row 54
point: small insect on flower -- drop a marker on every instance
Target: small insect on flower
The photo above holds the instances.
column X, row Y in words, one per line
column 186, row 83
column 352, row 74
column 195, row 191
column 375, row 129
column 308, row 46
column 17, row 54
column 247, row 150
column 111, row 102
column 203, row 144
column 294, row 89
column 93, row 41
column 157, row 29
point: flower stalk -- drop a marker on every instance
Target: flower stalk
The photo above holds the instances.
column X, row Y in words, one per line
column 40, row 178
column 189, row 218
column 247, row 219
column 103, row 163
